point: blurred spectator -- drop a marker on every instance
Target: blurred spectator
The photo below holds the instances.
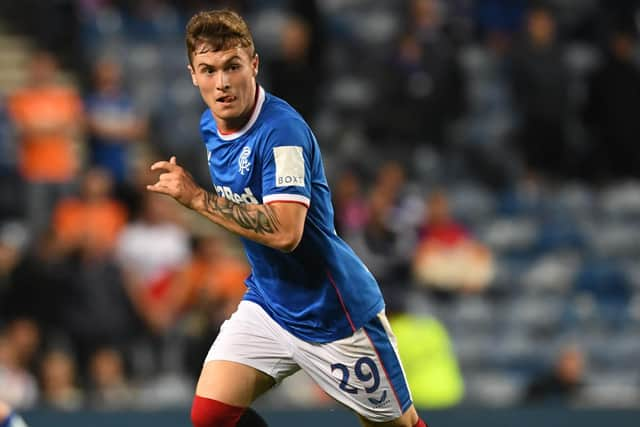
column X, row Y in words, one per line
column 18, row 386
column 37, row 285
column 349, row 203
column 447, row 259
column 59, row 381
column 391, row 181
column 24, row 336
column 151, row 250
column 563, row 383
column 93, row 217
column 113, row 123
column 309, row 12
column 205, row 293
column 97, row 310
column 541, row 94
column 610, row 111
column 76, row 294
column 47, row 117
column 384, row 250
column 213, row 280
column 429, row 361
column 421, row 91
column 293, row 76
column 425, row 19
column 109, row 387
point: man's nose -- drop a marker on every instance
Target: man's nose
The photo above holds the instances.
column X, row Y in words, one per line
column 223, row 81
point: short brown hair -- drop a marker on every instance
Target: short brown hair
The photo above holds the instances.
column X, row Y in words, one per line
column 217, row 30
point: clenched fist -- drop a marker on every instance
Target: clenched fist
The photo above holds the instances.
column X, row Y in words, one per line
column 175, row 182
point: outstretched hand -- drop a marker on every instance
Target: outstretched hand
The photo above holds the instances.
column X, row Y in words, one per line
column 175, row 182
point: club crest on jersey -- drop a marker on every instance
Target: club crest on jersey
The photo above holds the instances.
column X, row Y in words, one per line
column 243, row 162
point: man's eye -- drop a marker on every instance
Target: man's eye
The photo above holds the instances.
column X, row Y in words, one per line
column 234, row 67
column 208, row 70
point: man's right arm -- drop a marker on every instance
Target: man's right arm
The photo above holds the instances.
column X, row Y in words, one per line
column 278, row 225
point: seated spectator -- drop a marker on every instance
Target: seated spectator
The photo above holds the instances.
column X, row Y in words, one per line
column 563, row 383
column 448, row 259
column 150, row 251
column 93, row 217
column 58, row 380
column 109, row 387
column 24, row 337
column 18, row 387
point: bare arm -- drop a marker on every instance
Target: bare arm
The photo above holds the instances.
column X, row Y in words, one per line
column 277, row 225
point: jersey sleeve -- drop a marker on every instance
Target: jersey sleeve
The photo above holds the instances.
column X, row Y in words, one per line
column 286, row 171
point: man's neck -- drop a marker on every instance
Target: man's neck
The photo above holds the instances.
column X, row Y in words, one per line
column 227, row 127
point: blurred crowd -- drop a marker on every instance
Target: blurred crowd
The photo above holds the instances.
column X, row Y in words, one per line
column 483, row 162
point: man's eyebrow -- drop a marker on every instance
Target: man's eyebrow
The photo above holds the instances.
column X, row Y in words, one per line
column 233, row 58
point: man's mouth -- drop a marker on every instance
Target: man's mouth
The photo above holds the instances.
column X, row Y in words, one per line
column 227, row 99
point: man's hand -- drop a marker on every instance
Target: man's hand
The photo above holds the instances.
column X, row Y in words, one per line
column 175, row 182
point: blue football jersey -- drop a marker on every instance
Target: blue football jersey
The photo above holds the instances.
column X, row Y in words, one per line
column 321, row 291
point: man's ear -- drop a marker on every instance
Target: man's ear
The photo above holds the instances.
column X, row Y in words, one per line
column 255, row 64
column 193, row 75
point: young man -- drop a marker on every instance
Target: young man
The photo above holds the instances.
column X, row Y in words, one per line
column 310, row 304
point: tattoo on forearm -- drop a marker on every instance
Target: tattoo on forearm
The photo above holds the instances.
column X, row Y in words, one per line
column 258, row 218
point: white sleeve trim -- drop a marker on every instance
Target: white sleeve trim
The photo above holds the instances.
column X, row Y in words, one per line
column 286, row 198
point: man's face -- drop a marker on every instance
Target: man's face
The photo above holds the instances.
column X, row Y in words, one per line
column 227, row 82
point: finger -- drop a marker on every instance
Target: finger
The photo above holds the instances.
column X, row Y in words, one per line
column 163, row 165
column 172, row 160
column 165, row 176
column 158, row 188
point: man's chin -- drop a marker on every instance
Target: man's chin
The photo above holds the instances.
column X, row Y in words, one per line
column 225, row 114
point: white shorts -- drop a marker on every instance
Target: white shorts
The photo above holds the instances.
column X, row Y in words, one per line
column 362, row 371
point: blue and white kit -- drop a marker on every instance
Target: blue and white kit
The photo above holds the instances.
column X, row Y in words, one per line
column 318, row 295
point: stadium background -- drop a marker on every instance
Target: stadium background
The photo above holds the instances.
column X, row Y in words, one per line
column 483, row 161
